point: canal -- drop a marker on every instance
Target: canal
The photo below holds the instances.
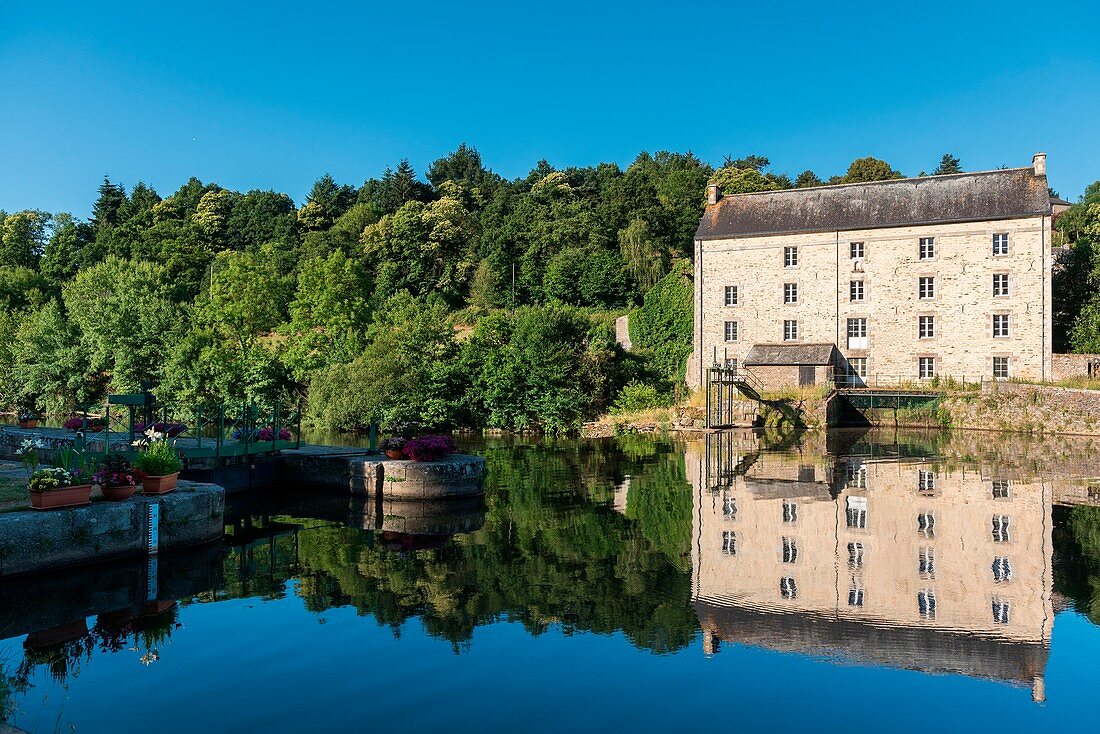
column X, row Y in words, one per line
column 875, row 580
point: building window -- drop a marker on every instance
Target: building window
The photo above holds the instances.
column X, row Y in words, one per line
column 1001, row 489
column 856, row 250
column 857, row 333
column 926, row 603
column 926, row 327
column 1000, row 529
column 855, row 555
column 732, row 296
column 790, row 550
column 787, row 588
column 855, row 290
column 855, row 476
column 1000, row 285
column 790, row 293
column 790, row 331
column 926, row 563
column 857, row 370
column 856, row 512
column 926, row 287
column 1001, row 610
column 1000, row 325
column 729, row 506
column 1000, row 368
column 927, row 248
column 926, row 368
column 926, row 525
column 1000, row 244
column 729, row 542
column 731, row 331
column 790, row 512
column 926, row 482
column 790, row 257
column 1002, row 569
column 855, row 595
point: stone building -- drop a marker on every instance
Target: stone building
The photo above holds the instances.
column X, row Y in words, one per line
column 899, row 561
column 909, row 279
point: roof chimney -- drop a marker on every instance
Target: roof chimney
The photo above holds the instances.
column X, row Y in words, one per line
column 1039, row 163
column 713, row 194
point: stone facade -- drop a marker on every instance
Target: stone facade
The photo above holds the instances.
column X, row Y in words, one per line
column 1070, row 366
column 869, row 548
column 888, row 267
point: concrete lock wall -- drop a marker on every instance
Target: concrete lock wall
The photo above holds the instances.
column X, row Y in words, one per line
column 37, row 540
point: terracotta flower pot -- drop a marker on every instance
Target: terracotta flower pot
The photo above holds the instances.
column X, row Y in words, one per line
column 28, row 424
column 160, row 485
column 395, row 454
column 52, row 499
column 55, row 636
column 118, row 493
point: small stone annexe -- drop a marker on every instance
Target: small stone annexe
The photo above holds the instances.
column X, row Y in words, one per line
column 909, row 279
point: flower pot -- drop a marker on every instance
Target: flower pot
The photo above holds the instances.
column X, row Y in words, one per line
column 160, row 485
column 28, row 424
column 395, row 454
column 114, row 620
column 56, row 636
column 52, row 499
column 118, row 492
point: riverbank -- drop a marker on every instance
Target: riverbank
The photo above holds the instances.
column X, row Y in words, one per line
column 1008, row 407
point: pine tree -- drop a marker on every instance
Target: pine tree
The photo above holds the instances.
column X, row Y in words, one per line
column 948, row 164
column 112, row 197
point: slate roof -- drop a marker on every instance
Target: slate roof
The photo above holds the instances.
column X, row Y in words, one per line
column 790, row 354
column 965, row 197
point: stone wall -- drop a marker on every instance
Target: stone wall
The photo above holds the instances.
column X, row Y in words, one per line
column 963, row 304
column 37, row 540
column 455, row 475
column 622, row 332
column 1069, row 366
column 1020, row 407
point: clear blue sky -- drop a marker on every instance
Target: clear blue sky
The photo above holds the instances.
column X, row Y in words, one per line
column 273, row 97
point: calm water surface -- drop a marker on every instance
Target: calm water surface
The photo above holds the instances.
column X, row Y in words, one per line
column 878, row 581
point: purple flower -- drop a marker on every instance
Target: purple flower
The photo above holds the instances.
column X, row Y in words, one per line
column 429, row 448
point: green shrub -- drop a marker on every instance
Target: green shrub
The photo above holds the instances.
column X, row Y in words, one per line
column 662, row 327
column 638, row 396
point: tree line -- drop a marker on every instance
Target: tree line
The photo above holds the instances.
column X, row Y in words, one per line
column 465, row 299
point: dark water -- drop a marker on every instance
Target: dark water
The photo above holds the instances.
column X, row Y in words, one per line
column 869, row 581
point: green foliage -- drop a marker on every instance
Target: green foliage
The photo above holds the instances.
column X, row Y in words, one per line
column 807, row 179
column 662, row 327
column 405, row 373
column 742, row 181
column 126, row 319
column 546, row 553
column 948, row 164
column 637, row 396
column 544, row 368
column 1076, row 276
column 22, row 238
column 867, row 169
column 159, row 458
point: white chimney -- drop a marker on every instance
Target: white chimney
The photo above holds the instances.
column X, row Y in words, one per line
column 1039, row 163
column 713, row 194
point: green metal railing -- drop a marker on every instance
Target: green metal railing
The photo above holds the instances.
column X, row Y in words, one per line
column 218, row 431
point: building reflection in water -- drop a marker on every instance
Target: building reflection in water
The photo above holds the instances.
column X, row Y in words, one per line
column 871, row 554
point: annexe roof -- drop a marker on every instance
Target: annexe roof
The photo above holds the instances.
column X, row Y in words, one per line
column 789, row 354
column 965, row 197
